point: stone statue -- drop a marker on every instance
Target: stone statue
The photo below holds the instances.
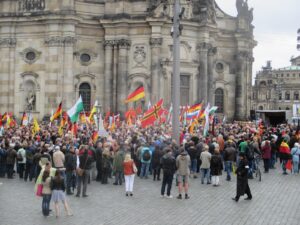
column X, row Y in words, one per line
column 30, row 101
column 239, row 6
column 243, row 9
column 205, row 10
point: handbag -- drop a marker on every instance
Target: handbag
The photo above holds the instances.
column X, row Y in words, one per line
column 39, row 190
column 80, row 171
column 134, row 168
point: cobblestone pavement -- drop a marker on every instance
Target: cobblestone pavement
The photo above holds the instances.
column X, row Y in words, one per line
column 276, row 200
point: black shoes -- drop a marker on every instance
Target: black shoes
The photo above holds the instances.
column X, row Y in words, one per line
column 235, row 199
column 85, row 196
column 179, row 196
column 187, row 196
column 248, row 198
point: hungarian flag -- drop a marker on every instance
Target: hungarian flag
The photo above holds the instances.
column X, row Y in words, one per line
column 152, row 114
column 74, row 112
column 136, row 95
column 57, row 113
column 24, row 121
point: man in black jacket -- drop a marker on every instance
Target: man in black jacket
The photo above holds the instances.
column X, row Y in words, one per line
column 169, row 167
column 70, row 165
column 85, row 163
column 242, row 186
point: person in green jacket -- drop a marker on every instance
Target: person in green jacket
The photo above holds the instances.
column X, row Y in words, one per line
column 118, row 166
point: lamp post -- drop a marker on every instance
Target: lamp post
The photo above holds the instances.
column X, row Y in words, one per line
column 98, row 107
column 176, row 31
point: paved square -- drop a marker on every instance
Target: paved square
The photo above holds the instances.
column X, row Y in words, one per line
column 276, row 200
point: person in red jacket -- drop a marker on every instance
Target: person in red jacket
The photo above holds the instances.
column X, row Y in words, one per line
column 129, row 172
column 266, row 155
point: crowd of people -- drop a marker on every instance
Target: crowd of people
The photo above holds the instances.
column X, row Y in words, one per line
column 65, row 165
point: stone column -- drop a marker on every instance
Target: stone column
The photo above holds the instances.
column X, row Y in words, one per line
column 211, row 79
column 7, row 46
column 156, row 79
column 122, row 75
column 115, row 73
column 241, row 91
column 108, row 45
column 203, row 76
column 69, row 94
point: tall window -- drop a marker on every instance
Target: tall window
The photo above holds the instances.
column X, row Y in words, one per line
column 219, row 100
column 280, row 96
column 296, row 95
column 85, row 92
column 287, row 95
column 184, row 89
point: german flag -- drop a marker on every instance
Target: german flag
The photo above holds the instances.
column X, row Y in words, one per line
column 95, row 136
column 136, row 95
column 58, row 113
column 195, row 107
column 152, row 114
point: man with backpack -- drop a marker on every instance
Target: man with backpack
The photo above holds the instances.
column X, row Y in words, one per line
column 146, row 156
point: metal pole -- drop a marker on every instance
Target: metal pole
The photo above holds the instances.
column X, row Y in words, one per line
column 176, row 73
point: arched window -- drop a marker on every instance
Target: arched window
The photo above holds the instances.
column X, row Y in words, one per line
column 296, row 95
column 219, row 100
column 261, row 107
column 287, row 95
column 85, row 92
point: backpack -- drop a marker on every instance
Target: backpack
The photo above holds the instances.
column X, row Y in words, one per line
column 19, row 157
column 146, row 155
column 250, row 152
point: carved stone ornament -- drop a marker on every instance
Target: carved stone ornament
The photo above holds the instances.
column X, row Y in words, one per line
column 156, row 42
column 204, row 11
column 124, row 43
column 204, row 46
column 30, row 55
column 58, row 41
column 31, row 5
column 109, row 43
column 85, row 56
column 7, row 42
column 139, row 54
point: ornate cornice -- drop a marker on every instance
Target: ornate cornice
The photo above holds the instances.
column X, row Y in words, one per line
column 204, row 46
column 8, row 42
column 156, row 42
column 124, row 43
column 109, row 43
column 212, row 51
column 58, row 41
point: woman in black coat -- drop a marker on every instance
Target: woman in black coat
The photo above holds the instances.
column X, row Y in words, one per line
column 216, row 167
column 155, row 162
column 242, row 186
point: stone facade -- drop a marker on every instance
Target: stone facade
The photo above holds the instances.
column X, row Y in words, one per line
column 54, row 50
column 277, row 89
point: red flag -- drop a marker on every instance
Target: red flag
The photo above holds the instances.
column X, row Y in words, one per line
column 130, row 113
column 139, row 110
column 289, row 165
column 95, row 136
column 152, row 114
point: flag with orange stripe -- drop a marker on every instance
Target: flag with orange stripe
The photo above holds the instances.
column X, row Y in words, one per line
column 57, row 113
column 152, row 114
column 136, row 95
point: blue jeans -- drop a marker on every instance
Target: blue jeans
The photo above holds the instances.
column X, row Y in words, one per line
column 228, row 169
column 273, row 160
column 194, row 166
column 119, row 177
column 205, row 173
column 144, row 170
column 296, row 167
column 46, row 204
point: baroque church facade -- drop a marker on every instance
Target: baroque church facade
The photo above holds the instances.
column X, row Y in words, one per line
column 56, row 50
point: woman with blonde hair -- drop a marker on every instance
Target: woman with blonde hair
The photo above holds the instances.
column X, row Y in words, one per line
column 129, row 172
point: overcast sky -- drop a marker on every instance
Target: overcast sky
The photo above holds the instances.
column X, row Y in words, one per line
column 276, row 23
